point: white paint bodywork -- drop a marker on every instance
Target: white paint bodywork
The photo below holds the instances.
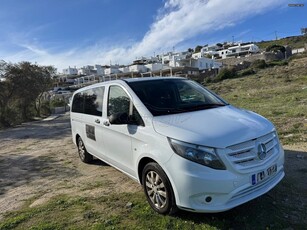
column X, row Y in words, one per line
column 124, row 146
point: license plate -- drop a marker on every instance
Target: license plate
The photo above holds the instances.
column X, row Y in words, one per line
column 260, row 176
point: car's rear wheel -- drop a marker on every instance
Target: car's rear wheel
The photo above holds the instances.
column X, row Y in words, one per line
column 158, row 190
column 83, row 154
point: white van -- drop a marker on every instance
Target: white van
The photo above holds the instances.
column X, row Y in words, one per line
column 188, row 147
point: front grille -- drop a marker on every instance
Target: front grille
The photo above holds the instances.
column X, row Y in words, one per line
column 245, row 155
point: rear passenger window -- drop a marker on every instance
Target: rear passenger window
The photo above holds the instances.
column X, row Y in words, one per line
column 78, row 103
column 89, row 101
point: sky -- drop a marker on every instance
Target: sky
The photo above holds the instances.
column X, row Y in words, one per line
column 65, row 33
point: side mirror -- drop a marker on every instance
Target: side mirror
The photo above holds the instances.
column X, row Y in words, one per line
column 119, row 119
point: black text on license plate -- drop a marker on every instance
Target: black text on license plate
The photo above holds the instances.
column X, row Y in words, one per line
column 260, row 176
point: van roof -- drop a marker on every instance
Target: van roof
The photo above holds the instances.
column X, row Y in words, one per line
column 149, row 79
column 127, row 80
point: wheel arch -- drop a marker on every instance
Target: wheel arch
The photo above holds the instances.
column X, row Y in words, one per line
column 77, row 137
column 142, row 163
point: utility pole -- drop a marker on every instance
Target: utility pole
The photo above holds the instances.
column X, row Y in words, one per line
column 276, row 35
column 233, row 39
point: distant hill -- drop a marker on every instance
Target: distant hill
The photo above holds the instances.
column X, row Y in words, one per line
column 294, row 42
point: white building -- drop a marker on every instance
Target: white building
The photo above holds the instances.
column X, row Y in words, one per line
column 70, row 71
column 239, row 50
column 100, row 69
column 137, row 68
column 205, row 63
column 113, row 69
column 87, row 70
column 231, row 51
column 124, row 69
column 176, row 59
column 154, row 66
column 186, row 59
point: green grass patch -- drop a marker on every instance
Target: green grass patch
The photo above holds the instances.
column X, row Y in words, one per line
column 279, row 97
column 110, row 212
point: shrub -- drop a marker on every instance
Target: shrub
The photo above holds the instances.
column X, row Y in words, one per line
column 275, row 48
column 247, row 72
column 259, row 64
column 278, row 63
column 45, row 109
column 226, row 73
column 57, row 103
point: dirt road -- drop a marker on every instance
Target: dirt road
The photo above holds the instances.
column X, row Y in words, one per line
column 39, row 161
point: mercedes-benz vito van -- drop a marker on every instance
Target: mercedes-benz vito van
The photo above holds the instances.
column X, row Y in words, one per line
column 188, row 147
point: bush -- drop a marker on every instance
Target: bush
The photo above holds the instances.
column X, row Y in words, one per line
column 275, row 48
column 259, row 64
column 45, row 109
column 246, row 72
column 57, row 103
column 226, row 73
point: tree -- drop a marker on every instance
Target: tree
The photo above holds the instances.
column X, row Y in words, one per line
column 6, row 93
column 197, row 49
column 24, row 85
column 44, row 83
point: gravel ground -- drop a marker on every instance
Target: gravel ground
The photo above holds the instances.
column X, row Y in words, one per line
column 39, row 161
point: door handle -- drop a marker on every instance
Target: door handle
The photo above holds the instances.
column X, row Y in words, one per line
column 97, row 121
column 106, row 123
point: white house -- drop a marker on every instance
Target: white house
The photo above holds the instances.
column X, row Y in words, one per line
column 186, row 59
column 234, row 50
column 113, row 69
column 242, row 50
column 100, row 69
column 137, row 68
column 179, row 59
column 124, row 69
column 70, row 71
column 300, row 50
column 87, row 70
column 154, row 66
column 205, row 63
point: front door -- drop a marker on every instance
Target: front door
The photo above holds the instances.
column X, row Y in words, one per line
column 117, row 139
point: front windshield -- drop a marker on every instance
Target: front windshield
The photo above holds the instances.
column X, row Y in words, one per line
column 171, row 96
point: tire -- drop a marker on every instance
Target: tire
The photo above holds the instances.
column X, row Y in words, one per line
column 83, row 154
column 158, row 190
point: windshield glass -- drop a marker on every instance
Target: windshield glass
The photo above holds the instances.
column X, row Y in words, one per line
column 170, row 96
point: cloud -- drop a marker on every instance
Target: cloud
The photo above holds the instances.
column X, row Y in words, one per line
column 176, row 22
column 184, row 19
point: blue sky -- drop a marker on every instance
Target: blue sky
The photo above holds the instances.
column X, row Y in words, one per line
column 66, row 33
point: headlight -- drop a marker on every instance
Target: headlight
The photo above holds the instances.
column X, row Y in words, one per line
column 199, row 154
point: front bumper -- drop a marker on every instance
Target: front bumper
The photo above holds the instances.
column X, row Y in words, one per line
column 201, row 189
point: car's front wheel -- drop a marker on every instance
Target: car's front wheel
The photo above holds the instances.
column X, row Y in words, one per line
column 158, row 190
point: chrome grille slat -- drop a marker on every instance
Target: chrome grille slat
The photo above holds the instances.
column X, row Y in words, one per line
column 243, row 150
column 244, row 155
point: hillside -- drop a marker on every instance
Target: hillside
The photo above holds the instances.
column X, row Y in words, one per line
column 294, row 42
column 278, row 93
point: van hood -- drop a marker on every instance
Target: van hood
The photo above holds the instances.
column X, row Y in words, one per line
column 217, row 127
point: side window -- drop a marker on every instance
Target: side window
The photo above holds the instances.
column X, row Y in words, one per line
column 89, row 101
column 93, row 101
column 118, row 101
column 78, row 103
